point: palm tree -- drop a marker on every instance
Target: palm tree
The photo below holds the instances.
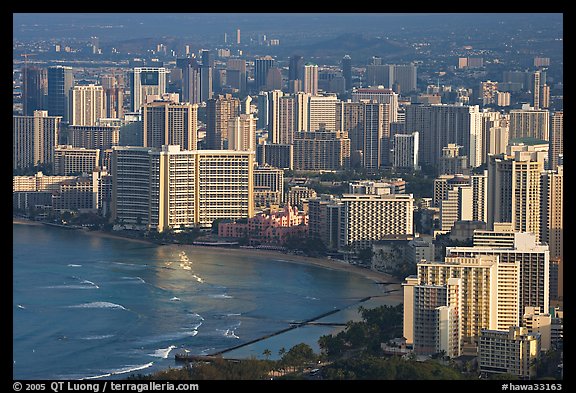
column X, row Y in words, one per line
column 267, row 353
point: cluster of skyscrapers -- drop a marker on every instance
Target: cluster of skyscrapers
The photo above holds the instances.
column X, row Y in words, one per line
column 138, row 153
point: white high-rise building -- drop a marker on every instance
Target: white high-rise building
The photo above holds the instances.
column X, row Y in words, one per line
column 322, row 110
column 87, row 105
column 242, row 133
column 145, row 81
column 406, row 151
column 511, row 247
column 311, row 79
column 366, row 218
column 514, row 190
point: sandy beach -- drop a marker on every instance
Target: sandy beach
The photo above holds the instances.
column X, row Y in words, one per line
column 387, row 281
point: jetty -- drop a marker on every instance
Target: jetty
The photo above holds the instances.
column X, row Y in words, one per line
column 188, row 357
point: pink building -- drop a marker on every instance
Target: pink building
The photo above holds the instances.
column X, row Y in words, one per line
column 273, row 227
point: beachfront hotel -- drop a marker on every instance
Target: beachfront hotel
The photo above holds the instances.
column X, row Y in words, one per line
column 366, row 218
column 515, row 247
column 480, row 291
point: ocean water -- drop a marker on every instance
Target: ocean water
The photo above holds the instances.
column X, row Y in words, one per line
column 86, row 306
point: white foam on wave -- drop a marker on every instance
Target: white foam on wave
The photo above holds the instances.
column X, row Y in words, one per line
column 221, row 296
column 127, row 369
column 196, row 326
column 230, row 334
column 198, row 278
column 232, row 314
column 73, row 265
column 197, row 316
column 21, row 306
column 97, row 337
column 163, row 352
column 83, row 284
column 312, row 298
column 99, row 305
column 134, row 279
column 175, row 299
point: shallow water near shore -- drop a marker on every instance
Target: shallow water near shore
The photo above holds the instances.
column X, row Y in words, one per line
column 96, row 307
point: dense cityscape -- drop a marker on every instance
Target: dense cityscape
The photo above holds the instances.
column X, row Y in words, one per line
column 428, row 152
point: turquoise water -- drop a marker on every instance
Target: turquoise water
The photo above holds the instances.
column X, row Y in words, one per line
column 94, row 307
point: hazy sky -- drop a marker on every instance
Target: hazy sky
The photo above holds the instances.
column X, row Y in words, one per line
column 114, row 26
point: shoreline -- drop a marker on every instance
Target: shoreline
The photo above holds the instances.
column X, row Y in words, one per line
column 385, row 281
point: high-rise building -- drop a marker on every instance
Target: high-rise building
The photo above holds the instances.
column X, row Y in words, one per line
column 191, row 82
column 479, row 184
column 145, row 81
column 69, row 160
column 481, row 290
column 529, row 123
column 556, row 139
column 321, row 150
column 515, row 247
column 94, row 137
column 536, row 90
column 321, row 110
column 170, row 123
column 310, row 84
column 238, row 36
column 34, row 89
column 207, row 58
column 87, row 105
column 236, row 74
column 130, row 203
column 514, row 190
column 552, row 211
column 379, row 95
column 350, row 117
column 261, row 67
column 206, row 83
column 274, row 79
column 347, row 72
column 60, row 81
column 488, row 93
column 34, row 138
column 286, row 119
column 451, row 162
column 226, row 184
column 268, row 186
column 375, row 137
column 495, row 133
column 242, row 133
column 274, row 115
column 513, row 351
column 276, row 155
column 367, row 218
column 405, row 154
column 295, row 74
column 545, row 96
column 404, row 78
column 262, row 105
column 323, row 219
column 219, row 111
column 439, row 125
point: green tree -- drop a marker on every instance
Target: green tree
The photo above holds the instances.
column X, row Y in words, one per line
column 267, row 353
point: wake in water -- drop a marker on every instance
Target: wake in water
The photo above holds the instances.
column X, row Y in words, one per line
column 97, row 337
column 136, row 280
column 99, row 305
column 127, row 369
column 83, row 284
